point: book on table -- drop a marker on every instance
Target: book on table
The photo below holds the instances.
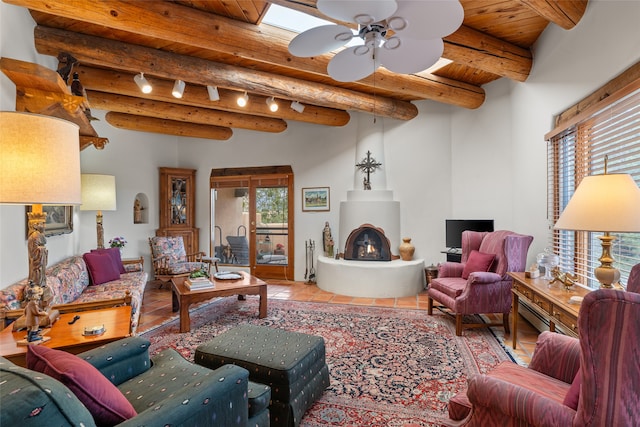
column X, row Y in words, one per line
column 199, row 283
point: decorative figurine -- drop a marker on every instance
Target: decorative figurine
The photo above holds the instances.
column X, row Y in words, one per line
column 65, row 64
column 33, row 312
column 38, row 254
column 326, row 239
column 567, row 279
column 137, row 212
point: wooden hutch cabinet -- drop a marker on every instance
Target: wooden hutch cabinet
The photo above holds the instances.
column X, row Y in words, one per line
column 178, row 206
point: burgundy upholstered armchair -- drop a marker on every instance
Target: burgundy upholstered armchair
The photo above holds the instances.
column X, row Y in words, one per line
column 590, row 381
column 479, row 284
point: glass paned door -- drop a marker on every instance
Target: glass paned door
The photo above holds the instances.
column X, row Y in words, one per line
column 272, row 226
column 252, row 219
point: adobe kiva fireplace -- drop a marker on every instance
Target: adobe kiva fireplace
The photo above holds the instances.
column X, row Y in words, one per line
column 368, row 243
column 369, row 230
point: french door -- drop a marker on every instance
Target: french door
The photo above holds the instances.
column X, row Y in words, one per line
column 252, row 220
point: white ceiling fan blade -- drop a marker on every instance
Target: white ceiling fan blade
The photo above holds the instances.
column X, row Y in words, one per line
column 319, row 40
column 426, row 19
column 362, row 12
column 410, row 55
column 349, row 66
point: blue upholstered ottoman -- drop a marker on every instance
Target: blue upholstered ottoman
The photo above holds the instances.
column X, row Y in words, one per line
column 291, row 363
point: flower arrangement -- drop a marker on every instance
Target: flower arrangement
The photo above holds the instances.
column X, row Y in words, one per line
column 117, row 242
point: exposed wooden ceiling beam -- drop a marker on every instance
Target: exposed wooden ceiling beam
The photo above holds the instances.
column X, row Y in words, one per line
column 566, row 14
column 178, row 24
column 122, row 83
column 184, row 113
column 133, row 58
column 479, row 50
column 170, row 127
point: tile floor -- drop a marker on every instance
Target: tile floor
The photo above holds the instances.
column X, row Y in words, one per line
column 156, row 307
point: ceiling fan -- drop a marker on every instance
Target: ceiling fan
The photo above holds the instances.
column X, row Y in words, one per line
column 404, row 36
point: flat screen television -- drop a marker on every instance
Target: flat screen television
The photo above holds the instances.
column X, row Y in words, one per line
column 455, row 227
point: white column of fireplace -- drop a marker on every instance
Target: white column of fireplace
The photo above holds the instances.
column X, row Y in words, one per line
column 373, row 279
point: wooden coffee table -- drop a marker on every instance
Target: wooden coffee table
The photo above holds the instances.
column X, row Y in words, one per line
column 183, row 297
column 116, row 321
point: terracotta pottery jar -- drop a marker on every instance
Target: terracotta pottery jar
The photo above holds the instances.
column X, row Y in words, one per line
column 406, row 249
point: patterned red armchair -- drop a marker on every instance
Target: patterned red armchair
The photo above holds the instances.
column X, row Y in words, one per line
column 480, row 284
column 590, row 381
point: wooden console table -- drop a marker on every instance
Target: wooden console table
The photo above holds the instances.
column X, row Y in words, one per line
column 549, row 301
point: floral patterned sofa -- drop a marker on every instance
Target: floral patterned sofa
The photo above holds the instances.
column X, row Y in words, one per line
column 69, row 280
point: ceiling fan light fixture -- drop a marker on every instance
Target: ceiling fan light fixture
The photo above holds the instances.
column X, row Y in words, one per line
column 392, row 43
column 296, row 106
column 213, row 93
column 397, row 23
column 142, row 83
column 345, row 36
column 242, row 100
column 410, row 31
column 273, row 105
column 178, row 89
column 363, row 19
column 361, row 50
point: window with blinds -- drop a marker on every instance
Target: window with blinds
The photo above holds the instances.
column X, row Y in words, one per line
column 579, row 150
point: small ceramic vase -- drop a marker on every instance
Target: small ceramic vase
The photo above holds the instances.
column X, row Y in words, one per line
column 406, row 249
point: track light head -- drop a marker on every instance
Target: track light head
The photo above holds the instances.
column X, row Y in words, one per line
column 178, row 89
column 273, row 105
column 213, row 93
column 296, row 106
column 142, row 83
column 242, row 100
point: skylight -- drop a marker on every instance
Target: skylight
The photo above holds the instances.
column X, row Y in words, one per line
column 290, row 19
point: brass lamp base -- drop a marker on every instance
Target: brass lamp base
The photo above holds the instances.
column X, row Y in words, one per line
column 606, row 273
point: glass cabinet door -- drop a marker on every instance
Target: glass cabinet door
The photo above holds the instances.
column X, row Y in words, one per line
column 178, row 201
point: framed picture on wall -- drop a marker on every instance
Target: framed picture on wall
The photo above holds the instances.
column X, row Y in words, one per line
column 59, row 220
column 315, row 199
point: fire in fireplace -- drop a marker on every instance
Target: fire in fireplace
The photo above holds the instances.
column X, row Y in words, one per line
column 368, row 243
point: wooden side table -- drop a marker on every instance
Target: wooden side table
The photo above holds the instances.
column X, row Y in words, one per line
column 549, row 301
column 116, row 321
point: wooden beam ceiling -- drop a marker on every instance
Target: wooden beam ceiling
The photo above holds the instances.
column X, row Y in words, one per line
column 222, row 43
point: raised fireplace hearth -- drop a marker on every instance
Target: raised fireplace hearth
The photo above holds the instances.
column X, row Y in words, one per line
column 367, row 243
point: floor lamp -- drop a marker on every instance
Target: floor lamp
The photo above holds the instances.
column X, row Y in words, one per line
column 609, row 203
column 39, row 165
column 98, row 194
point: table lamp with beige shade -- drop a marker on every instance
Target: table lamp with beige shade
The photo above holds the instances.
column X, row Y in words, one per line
column 608, row 203
column 39, row 165
column 98, row 194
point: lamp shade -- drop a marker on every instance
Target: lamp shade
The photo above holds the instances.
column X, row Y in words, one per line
column 606, row 203
column 39, row 160
column 98, row 192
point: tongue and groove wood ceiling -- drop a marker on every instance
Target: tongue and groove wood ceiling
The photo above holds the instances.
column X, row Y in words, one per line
column 224, row 43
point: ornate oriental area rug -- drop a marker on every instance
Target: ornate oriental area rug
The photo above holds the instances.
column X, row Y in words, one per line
column 389, row 367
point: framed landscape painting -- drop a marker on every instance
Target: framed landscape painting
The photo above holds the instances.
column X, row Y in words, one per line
column 59, row 220
column 315, row 199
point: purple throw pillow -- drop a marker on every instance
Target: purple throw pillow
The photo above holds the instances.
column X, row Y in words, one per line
column 114, row 253
column 105, row 402
column 101, row 267
column 573, row 395
column 477, row 261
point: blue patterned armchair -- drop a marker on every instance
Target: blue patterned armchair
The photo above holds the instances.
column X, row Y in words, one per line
column 164, row 389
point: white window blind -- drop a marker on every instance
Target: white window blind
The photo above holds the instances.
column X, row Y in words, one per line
column 578, row 151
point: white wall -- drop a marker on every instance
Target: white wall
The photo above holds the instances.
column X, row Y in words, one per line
column 447, row 162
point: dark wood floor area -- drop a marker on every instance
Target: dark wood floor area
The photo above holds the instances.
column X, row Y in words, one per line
column 156, row 307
